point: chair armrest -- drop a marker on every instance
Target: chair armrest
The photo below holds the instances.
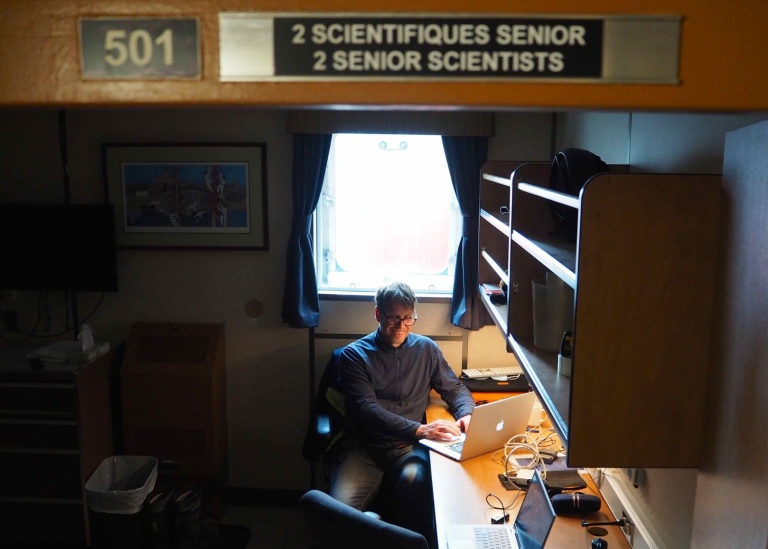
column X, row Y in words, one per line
column 320, row 433
column 323, row 425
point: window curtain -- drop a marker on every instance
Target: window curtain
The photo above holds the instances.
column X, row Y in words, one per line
column 301, row 304
column 466, row 156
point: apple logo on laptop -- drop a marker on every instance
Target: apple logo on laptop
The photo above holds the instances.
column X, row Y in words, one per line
column 500, row 425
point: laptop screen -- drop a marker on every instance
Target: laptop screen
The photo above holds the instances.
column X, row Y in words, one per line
column 536, row 516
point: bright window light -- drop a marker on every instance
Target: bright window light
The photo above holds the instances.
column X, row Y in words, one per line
column 387, row 212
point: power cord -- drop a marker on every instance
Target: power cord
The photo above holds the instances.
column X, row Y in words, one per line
column 537, row 450
column 532, row 448
column 547, row 440
column 31, row 333
column 501, row 507
column 529, row 448
column 43, row 298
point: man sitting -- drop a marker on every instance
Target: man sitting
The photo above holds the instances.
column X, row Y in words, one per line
column 386, row 378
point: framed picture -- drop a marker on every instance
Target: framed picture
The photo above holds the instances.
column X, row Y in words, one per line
column 188, row 196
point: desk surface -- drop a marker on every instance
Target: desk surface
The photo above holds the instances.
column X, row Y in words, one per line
column 460, row 489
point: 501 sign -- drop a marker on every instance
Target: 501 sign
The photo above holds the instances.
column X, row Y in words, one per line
column 135, row 49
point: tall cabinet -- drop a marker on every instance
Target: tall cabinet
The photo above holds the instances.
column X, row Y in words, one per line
column 642, row 268
column 56, row 426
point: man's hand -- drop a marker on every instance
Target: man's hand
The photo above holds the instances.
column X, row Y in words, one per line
column 439, row 429
column 463, row 422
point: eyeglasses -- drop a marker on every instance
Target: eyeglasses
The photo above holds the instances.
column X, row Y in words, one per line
column 394, row 320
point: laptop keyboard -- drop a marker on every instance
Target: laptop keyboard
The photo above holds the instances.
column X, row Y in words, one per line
column 490, row 372
column 457, row 446
column 566, row 479
column 492, row 538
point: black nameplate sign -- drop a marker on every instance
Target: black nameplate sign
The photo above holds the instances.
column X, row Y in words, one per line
column 263, row 46
column 440, row 47
column 140, row 48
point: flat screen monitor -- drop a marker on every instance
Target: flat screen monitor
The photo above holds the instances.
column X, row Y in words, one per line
column 58, row 247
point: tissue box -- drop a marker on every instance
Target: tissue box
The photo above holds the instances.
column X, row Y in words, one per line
column 87, row 355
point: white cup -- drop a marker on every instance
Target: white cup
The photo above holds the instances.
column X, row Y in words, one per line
column 538, row 415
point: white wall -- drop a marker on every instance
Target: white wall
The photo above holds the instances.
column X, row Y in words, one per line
column 652, row 142
column 607, row 134
column 522, row 136
column 732, row 500
column 682, row 143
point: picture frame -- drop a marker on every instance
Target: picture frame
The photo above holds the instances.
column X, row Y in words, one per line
column 196, row 196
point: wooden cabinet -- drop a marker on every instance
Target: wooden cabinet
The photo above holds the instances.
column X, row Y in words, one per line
column 56, row 426
column 643, row 273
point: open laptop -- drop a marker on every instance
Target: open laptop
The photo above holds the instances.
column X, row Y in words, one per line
column 530, row 531
column 491, row 426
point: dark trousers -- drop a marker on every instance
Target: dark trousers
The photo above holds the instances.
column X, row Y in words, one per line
column 360, row 470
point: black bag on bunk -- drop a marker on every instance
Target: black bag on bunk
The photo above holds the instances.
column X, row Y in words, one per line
column 571, row 169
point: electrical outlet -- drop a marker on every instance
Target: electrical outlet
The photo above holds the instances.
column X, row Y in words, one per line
column 636, row 476
column 10, row 320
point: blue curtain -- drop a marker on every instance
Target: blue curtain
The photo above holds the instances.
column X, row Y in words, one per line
column 466, row 156
column 301, row 304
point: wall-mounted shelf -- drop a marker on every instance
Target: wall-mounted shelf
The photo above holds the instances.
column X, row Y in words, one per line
column 497, row 220
column 503, row 276
column 558, row 258
column 565, row 199
column 642, row 268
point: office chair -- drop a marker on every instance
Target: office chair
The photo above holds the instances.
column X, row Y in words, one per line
column 326, row 424
column 327, row 415
column 334, row 524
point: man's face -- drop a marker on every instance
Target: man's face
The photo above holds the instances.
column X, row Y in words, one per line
column 393, row 331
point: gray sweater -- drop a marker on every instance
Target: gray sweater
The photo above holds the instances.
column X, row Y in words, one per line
column 387, row 388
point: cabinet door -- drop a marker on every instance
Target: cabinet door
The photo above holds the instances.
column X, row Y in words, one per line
column 646, row 272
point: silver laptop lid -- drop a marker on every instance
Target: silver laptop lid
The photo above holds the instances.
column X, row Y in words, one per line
column 536, row 516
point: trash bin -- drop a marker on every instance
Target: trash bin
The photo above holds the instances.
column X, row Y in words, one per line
column 552, row 312
column 116, row 492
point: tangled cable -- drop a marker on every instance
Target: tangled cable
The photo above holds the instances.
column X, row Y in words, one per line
column 526, row 447
column 522, row 446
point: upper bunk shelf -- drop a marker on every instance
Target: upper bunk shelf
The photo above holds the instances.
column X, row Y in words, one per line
column 561, row 198
column 501, row 180
column 533, row 251
column 498, row 311
column 553, row 390
column 503, row 275
column 533, row 221
column 498, row 220
column 557, row 256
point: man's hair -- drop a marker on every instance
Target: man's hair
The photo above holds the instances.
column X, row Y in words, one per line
column 396, row 291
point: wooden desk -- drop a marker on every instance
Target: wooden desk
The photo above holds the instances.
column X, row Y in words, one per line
column 460, row 489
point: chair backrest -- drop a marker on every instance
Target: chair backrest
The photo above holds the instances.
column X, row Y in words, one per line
column 334, row 524
column 327, row 415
